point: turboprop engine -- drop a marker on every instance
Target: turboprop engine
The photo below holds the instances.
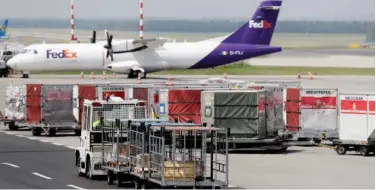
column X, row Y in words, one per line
column 124, row 46
column 122, row 67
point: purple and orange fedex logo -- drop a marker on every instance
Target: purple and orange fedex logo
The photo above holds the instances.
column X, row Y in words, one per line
column 63, row 54
column 261, row 24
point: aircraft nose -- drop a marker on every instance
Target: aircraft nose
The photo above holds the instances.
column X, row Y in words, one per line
column 12, row 63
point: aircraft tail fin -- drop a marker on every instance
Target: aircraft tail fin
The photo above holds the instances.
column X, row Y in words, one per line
column 3, row 28
column 259, row 30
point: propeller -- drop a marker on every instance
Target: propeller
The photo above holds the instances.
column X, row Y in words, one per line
column 93, row 39
column 108, row 46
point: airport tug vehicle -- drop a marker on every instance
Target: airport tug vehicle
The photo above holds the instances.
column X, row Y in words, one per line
column 104, row 132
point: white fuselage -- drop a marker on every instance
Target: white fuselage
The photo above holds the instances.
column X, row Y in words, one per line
column 89, row 57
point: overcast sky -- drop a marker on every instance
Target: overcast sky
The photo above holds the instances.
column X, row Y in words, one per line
column 188, row 9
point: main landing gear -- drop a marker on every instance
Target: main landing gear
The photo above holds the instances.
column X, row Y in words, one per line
column 134, row 74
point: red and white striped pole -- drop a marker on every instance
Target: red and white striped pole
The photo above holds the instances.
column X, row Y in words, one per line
column 73, row 38
column 141, row 19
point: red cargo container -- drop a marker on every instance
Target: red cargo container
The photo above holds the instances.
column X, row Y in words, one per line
column 33, row 103
column 292, row 109
column 185, row 105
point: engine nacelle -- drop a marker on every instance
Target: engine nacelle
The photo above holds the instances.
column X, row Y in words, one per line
column 122, row 67
column 124, row 45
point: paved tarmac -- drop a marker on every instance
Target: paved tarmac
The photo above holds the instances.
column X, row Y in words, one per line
column 27, row 164
column 299, row 168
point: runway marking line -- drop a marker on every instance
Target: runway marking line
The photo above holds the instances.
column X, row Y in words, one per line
column 71, row 147
column 9, row 164
column 31, row 138
column 58, row 144
column 19, row 135
column 76, row 187
column 42, row 176
column 43, row 140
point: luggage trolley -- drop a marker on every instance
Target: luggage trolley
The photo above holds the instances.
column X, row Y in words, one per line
column 116, row 162
column 178, row 155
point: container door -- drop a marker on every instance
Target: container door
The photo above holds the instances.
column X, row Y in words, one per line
column 354, row 117
column 142, row 94
column 85, row 92
column 57, row 103
column 319, row 113
column 33, row 102
column 185, row 106
column 371, row 117
column 292, row 108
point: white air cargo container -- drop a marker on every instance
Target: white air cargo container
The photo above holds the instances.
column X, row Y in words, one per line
column 15, row 107
column 356, row 123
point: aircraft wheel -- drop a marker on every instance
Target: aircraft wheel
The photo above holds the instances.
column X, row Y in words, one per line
column 131, row 74
column 25, row 76
column 364, row 150
column 143, row 75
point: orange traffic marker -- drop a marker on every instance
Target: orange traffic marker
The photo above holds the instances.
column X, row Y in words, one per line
column 104, row 77
column 139, row 78
column 310, row 76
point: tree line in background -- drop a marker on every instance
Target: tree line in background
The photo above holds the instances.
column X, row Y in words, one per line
column 221, row 26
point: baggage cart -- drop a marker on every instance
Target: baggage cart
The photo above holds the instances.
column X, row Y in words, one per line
column 178, row 155
column 123, row 139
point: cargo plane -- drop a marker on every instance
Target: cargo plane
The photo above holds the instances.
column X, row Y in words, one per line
column 141, row 56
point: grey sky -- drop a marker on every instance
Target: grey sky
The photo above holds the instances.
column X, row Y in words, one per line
column 188, row 9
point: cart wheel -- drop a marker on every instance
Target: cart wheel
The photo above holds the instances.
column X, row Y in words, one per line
column 110, row 178
column 119, row 179
column 341, row 150
column 36, row 131
column 143, row 186
column 364, row 150
column 51, row 132
column 284, row 149
column 12, row 126
column 89, row 174
column 136, row 185
column 80, row 174
column 139, row 185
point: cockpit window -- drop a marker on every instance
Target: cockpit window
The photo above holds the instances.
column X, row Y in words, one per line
column 29, row 51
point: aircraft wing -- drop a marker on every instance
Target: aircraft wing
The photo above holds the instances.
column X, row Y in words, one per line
column 52, row 36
